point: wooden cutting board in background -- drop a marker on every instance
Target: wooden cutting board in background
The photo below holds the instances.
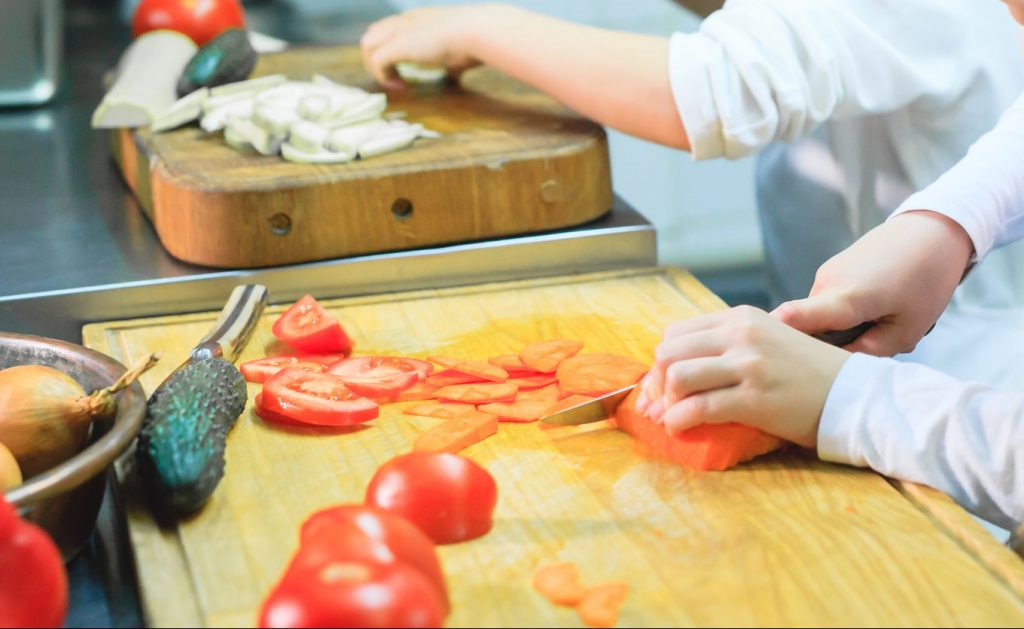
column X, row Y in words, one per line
column 784, row 541
column 510, row 161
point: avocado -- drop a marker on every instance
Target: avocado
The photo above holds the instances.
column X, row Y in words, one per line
column 227, row 58
column 180, row 452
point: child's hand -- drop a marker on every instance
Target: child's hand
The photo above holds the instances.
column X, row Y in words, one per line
column 900, row 275
column 436, row 36
column 742, row 366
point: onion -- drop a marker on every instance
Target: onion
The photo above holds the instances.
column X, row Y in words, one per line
column 10, row 473
column 45, row 414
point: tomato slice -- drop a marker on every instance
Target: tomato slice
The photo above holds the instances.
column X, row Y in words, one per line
column 262, row 368
column 370, row 367
column 272, row 417
column 316, row 398
column 387, row 388
column 308, row 327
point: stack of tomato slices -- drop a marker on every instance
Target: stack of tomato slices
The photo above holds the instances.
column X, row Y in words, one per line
column 327, row 387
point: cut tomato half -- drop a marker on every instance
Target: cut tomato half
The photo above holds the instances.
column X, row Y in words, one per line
column 308, row 327
column 379, row 367
column 262, row 368
column 316, row 398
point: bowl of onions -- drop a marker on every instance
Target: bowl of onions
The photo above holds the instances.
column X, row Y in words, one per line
column 66, row 414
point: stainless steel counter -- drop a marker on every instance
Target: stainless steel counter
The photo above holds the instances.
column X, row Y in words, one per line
column 75, row 247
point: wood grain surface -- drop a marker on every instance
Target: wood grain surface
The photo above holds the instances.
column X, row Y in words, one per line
column 510, row 161
column 786, row 540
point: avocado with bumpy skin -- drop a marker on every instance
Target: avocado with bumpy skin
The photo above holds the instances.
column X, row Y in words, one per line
column 180, row 452
column 227, row 58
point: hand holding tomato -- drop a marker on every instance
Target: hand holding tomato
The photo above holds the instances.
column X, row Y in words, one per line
column 201, row 20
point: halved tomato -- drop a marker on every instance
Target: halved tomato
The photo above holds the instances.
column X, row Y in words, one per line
column 379, row 367
column 308, row 327
column 262, row 368
column 316, row 398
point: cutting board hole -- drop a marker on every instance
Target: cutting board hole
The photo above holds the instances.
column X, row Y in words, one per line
column 280, row 224
column 402, row 209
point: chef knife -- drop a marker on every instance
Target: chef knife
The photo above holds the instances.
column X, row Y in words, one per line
column 603, row 407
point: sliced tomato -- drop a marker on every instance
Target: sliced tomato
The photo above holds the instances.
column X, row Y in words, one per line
column 379, row 367
column 308, row 327
column 316, row 398
column 262, row 368
column 388, row 388
column 270, row 416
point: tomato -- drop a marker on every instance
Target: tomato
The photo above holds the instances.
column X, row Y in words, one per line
column 33, row 581
column 368, row 534
column 262, row 368
column 449, row 496
column 306, row 326
column 351, row 594
column 381, row 388
column 271, row 416
column 202, row 20
column 381, row 367
column 315, row 398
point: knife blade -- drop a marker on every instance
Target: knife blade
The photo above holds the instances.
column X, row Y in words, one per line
column 603, row 407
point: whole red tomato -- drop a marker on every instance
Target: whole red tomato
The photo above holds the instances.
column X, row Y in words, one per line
column 33, row 582
column 448, row 496
column 353, row 594
column 202, row 20
column 366, row 534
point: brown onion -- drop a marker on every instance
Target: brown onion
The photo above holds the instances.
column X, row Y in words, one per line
column 45, row 414
column 10, row 473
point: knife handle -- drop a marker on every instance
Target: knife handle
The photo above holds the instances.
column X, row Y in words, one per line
column 234, row 326
column 842, row 338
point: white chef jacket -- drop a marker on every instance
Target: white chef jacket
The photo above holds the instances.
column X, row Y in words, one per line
column 915, row 423
column 854, row 105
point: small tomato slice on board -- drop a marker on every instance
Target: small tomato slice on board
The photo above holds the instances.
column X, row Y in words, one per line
column 368, row 535
column 316, row 398
column 306, row 326
column 259, row 370
column 351, row 594
column 388, row 388
column 379, row 367
column 451, row 498
column 546, row 356
column 478, row 393
column 272, row 417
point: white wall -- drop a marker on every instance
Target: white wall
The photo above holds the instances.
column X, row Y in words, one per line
column 704, row 212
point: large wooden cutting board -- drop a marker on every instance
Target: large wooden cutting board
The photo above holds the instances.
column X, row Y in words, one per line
column 510, row 161
column 784, row 541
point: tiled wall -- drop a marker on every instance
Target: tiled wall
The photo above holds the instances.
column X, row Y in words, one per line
column 704, row 211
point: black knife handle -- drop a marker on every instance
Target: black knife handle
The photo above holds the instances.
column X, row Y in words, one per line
column 842, row 338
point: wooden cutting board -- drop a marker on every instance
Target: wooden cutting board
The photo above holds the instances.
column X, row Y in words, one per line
column 783, row 541
column 510, row 161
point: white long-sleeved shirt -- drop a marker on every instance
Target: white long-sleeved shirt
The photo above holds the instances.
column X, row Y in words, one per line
column 911, row 422
column 852, row 106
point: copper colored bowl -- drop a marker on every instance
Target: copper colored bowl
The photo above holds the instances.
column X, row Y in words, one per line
column 65, row 500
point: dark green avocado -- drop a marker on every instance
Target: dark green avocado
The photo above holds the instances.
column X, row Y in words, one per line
column 180, row 452
column 227, row 58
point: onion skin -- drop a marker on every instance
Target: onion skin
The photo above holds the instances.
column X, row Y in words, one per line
column 10, row 473
column 44, row 416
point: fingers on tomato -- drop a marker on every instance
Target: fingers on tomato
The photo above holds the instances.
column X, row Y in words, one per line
column 308, row 327
column 451, row 498
column 316, row 398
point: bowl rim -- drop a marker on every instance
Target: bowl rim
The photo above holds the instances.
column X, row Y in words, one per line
column 94, row 459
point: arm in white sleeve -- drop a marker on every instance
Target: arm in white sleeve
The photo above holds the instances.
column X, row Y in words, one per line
column 758, row 71
column 910, row 422
column 984, row 192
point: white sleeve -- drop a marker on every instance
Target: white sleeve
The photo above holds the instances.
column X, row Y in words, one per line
column 910, row 422
column 758, row 71
column 984, row 192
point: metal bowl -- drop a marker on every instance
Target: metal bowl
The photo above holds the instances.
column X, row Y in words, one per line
column 65, row 500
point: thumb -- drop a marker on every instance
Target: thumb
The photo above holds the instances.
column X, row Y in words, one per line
column 818, row 314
